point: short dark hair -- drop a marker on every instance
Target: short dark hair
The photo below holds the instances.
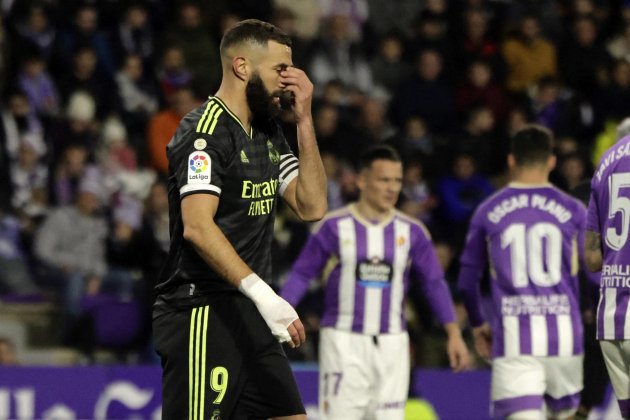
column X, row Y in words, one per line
column 532, row 145
column 256, row 31
column 378, row 152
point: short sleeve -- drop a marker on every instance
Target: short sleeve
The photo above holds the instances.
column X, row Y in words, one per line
column 475, row 253
column 592, row 218
column 199, row 162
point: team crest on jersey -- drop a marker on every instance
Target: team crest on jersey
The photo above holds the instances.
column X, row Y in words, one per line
column 199, row 165
column 200, row 144
column 274, row 155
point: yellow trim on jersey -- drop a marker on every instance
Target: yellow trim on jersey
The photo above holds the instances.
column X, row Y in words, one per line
column 359, row 217
column 204, row 115
column 211, row 116
column 251, row 130
column 197, row 362
column 214, row 122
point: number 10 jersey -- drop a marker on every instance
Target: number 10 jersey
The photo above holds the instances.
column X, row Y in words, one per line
column 532, row 238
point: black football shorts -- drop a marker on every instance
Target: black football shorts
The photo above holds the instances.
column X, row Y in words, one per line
column 220, row 362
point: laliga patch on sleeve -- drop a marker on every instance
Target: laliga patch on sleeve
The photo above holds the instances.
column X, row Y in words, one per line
column 199, row 168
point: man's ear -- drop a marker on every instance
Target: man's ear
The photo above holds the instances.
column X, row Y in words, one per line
column 511, row 161
column 551, row 162
column 240, row 67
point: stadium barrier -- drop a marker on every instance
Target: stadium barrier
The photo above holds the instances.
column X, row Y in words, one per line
column 110, row 392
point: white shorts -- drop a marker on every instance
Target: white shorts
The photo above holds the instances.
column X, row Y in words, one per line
column 617, row 357
column 363, row 376
column 529, row 382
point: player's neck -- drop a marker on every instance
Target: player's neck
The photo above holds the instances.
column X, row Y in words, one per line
column 236, row 102
column 530, row 176
column 370, row 213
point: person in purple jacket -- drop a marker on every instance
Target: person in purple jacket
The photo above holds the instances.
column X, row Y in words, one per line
column 375, row 252
column 607, row 249
column 531, row 235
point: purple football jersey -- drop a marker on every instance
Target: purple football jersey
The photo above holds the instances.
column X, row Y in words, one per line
column 369, row 267
column 532, row 238
column 609, row 215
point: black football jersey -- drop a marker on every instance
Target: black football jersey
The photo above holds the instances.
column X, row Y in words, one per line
column 212, row 153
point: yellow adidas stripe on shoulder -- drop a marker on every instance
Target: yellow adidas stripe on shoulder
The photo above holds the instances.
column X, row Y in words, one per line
column 209, row 107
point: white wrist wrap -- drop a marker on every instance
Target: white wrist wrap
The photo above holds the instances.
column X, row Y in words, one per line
column 277, row 312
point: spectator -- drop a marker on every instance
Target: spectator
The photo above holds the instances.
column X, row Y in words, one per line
column 477, row 45
column 138, row 99
column 20, row 123
column 573, row 171
column 162, row 126
column 478, row 140
column 480, row 89
column 529, row 56
column 354, row 12
column 307, row 15
column 39, row 86
column 385, row 17
column 613, row 99
column 134, row 34
column 417, row 199
column 15, row 276
column 425, row 94
column 201, row 53
column 388, row 66
column 79, row 126
column 459, row 194
column 333, row 171
column 36, row 34
column 70, row 169
column 337, row 56
column 173, row 73
column 583, row 60
column 29, row 178
column 71, row 244
column 84, row 76
column 619, row 46
column 85, row 33
column 415, row 141
column 431, row 31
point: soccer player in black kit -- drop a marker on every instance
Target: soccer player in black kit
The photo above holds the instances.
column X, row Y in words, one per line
column 217, row 324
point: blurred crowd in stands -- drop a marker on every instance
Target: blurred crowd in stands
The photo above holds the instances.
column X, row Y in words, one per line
column 92, row 92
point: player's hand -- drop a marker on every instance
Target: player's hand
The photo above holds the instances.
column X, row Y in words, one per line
column 482, row 336
column 458, row 355
column 297, row 82
column 279, row 315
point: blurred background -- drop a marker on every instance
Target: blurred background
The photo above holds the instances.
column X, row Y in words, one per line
column 92, row 92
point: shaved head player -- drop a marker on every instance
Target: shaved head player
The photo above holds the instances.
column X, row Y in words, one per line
column 217, row 323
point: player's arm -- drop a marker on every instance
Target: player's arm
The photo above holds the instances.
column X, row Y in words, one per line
column 426, row 265
column 472, row 266
column 593, row 251
column 212, row 245
column 592, row 238
column 308, row 265
column 306, row 193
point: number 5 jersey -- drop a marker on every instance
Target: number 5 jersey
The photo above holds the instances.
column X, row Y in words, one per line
column 532, row 239
column 609, row 215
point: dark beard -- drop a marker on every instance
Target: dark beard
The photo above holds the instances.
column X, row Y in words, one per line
column 260, row 100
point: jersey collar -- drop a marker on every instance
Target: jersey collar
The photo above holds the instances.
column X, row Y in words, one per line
column 251, row 129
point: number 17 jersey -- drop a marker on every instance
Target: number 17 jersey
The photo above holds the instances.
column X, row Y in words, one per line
column 609, row 215
column 532, row 238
